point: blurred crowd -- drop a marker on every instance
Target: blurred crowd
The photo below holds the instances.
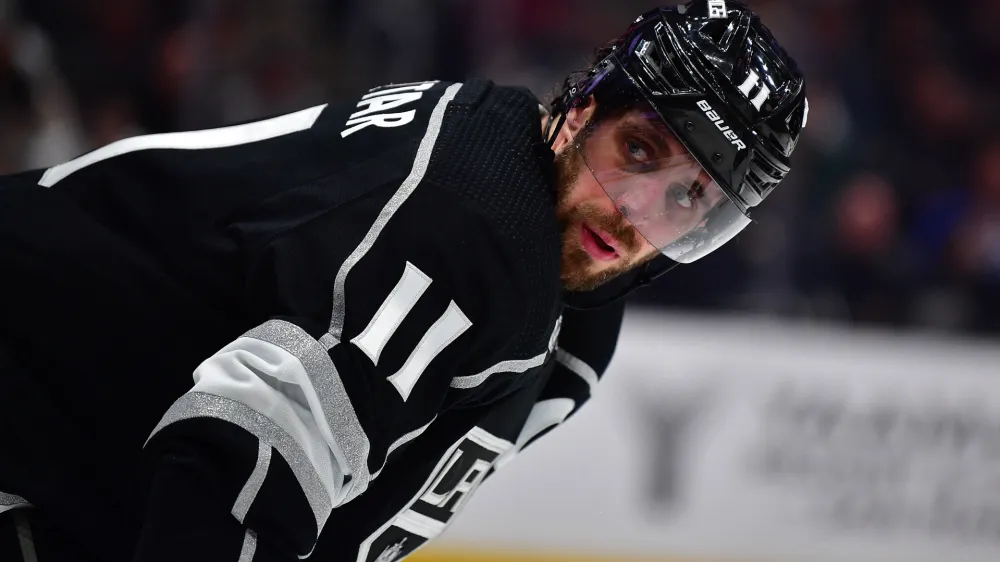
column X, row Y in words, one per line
column 891, row 216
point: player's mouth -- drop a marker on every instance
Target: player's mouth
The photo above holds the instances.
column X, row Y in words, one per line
column 600, row 245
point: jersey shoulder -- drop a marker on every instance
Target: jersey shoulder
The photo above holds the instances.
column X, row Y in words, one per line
column 491, row 157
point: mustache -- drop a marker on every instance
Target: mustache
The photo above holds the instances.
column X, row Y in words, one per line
column 569, row 164
column 614, row 224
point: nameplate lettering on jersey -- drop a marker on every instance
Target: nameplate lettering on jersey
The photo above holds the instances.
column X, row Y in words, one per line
column 446, row 492
column 376, row 108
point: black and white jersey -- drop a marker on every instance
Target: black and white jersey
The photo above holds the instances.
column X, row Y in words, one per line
column 419, row 494
column 367, row 296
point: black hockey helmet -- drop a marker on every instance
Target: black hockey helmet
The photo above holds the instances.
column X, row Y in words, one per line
column 716, row 78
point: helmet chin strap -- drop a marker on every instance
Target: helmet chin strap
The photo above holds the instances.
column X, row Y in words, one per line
column 552, row 128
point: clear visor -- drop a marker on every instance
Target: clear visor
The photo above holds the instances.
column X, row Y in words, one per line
column 659, row 187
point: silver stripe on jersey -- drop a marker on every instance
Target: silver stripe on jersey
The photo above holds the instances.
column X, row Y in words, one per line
column 513, row 366
column 11, row 501
column 328, row 341
column 254, row 483
column 400, row 442
column 195, row 405
column 337, row 408
column 420, row 165
column 249, row 547
column 576, row 365
column 408, row 437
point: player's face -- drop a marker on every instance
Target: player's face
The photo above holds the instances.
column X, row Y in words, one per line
column 616, row 176
column 598, row 241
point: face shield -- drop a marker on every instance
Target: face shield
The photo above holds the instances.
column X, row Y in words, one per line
column 658, row 185
column 667, row 189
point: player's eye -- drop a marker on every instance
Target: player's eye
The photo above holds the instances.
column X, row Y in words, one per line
column 684, row 196
column 680, row 196
column 637, row 151
column 639, row 154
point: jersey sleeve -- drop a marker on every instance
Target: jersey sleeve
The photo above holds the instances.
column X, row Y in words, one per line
column 366, row 317
column 586, row 345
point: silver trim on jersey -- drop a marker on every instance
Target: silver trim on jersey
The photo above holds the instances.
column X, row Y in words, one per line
column 11, row 501
column 513, row 366
column 400, row 442
column 336, row 404
column 420, row 165
column 195, row 405
column 249, row 547
column 328, row 341
column 408, row 437
column 250, row 490
column 576, row 365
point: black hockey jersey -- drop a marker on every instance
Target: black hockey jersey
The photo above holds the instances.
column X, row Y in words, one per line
column 368, row 298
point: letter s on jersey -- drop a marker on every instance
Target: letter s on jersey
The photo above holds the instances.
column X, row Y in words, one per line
column 374, row 107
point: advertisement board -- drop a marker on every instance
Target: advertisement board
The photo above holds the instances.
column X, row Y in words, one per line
column 728, row 439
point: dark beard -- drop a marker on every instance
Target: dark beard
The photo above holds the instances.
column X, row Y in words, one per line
column 575, row 259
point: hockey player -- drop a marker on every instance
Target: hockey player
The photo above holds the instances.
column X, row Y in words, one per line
column 380, row 303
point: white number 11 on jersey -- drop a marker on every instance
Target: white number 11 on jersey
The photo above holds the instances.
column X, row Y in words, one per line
column 390, row 315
